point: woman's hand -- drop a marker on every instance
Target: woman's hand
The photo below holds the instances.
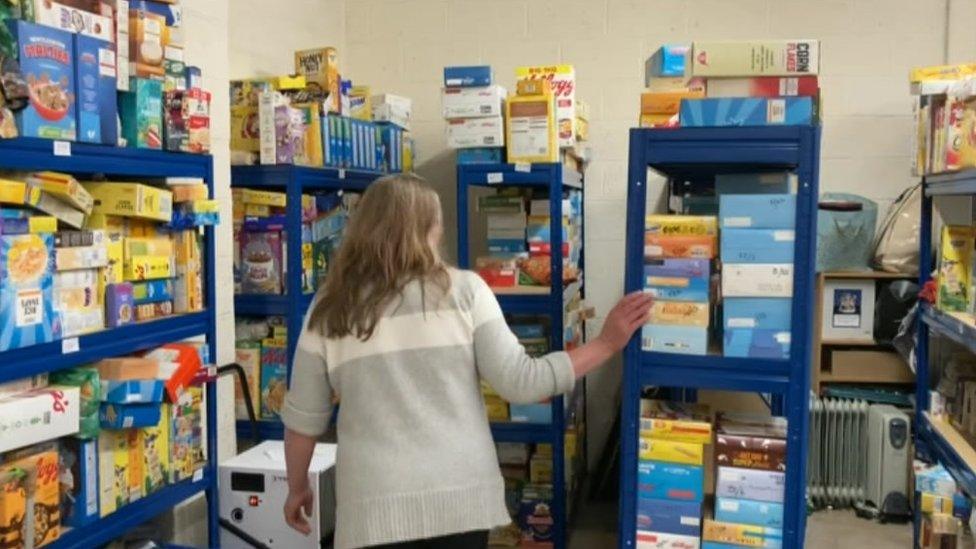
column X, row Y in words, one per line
column 628, row 315
column 298, row 506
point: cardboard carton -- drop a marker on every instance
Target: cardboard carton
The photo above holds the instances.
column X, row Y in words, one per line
column 756, row 58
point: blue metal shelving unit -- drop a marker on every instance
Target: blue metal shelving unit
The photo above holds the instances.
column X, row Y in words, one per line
column 931, row 442
column 92, row 160
column 697, row 154
column 294, row 180
column 553, row 178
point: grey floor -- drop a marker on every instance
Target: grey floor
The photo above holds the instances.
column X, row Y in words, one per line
column 596, row 528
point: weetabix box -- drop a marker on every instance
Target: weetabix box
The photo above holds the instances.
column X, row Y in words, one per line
column 472, row 102
column 47, row 60
column 563, row 81
column 476, row 132
column 756, row 58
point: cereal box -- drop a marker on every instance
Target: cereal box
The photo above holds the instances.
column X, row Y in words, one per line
column 248, row 355
column 39, row 415
column 14, row 487
column 274, row 376
column 360, row 105
column 79, row 481
column 156, row 452
column 563, row 81
column 95, row 77
column 188, row 445
column 27, row 314
column 64, row 187
column 46, row 60
column 531, row 127
column 132, row 200
column 46, row 492
column 261, row 265
column 141, row 110
column 13, row 192
column 681, row 224
column 320, row 66
column 113, row 470
column 955, row 259
column 680, row 313
column 756, row 58
column 148, row 38
column 671, row 451
column 689, row 246
column 66, row 17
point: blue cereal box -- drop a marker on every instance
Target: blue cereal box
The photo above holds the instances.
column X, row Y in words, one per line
column 128, row 416
column 274, row 376
column 480, row 155
column 467, row 77
column 753, row 343
column 685, row 340
column 757, row 211
column 47, row 62
column 79, row 481
column 95, row 80
column 678, row 289
column 748, row 111
column 660, row 480
column 668, row 60
column 669, row 516
column 765, row 313
column 133, row 391
column 531, row 413
column 755, row 183
column 747, row 511
column 757, row 245
column 27, row 314
column 683, row 268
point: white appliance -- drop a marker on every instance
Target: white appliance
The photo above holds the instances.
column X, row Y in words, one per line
column 253, row 488
column 887, row 464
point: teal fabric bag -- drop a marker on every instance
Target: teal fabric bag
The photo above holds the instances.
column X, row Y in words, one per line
column 845, row 232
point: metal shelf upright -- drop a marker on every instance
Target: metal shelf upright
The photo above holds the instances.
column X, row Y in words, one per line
column 554, row 178
column 697, row 154
column 294, row 180
column 85, row 160
column 936, row 439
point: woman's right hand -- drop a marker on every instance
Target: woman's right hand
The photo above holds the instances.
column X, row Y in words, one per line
column 298, row 506
column 626, row 317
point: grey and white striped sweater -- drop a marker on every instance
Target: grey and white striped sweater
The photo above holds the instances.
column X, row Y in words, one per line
column 416, row 457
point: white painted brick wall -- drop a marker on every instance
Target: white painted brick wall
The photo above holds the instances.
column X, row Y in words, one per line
column 868, row 48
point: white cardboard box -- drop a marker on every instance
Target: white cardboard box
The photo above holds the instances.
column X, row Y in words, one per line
column 472, row 102
column 848, row 309
column 465, row 133
column 37, row 416
column 659, row 540
column 757, row 280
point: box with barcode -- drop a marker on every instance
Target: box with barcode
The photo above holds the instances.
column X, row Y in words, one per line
column 44, row 414
column 749, row 111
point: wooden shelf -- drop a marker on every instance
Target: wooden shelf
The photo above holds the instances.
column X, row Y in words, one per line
column 953, row 438
column 850, row 343
column 521, row 290
column 877, row 275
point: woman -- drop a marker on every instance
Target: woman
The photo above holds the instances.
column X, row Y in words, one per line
column 404, row 339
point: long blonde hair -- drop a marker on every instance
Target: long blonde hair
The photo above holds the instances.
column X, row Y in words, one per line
column 387, row 244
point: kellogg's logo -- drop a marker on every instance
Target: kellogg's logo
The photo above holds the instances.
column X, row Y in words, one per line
column 47, row 471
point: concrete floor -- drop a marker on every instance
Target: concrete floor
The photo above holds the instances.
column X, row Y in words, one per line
column 596, row 528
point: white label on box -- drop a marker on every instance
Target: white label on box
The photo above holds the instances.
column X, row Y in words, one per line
column 530, row 136
column 757, row 280
column 495, row 177
column 690, row 521
column 127, row 423
column 782, row 337
column 737, row 222
column 653, row 251
column 789, row 86
column 30, row 308
column 784, row 236
column 342, row 173
column 90, row 469
column 742, row 323
column 62, row 148
column 729, row 505
column 776, row 111
column 523, row 167
column 198, row 475
column 70, row 345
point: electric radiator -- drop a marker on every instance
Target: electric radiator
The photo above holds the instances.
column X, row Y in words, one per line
column 837, row 466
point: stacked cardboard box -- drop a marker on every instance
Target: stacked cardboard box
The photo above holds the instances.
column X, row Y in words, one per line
column 942, row 507
column 531, row 122
column 473, row 108
column 757, row 216
column 945, row 113
column 750, row 452
column 677, row 255
column 670, row 477
column 753, row 83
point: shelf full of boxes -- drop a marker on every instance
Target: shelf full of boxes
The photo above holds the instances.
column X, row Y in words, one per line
column 520, row 167
column 107, row 282
column 944, row 435
column 738, row 144
column 304, row 146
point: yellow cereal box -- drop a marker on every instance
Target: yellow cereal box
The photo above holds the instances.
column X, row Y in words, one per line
column 699, row 432
column 155, row 454
column 679, row 313
column 530, row 125
column 320, row 67
column 672, row 451
column 131, row 200
column 680, row 246
column 955, row 260
column 496, row 408
column 245, row 129
column 737, row 534
column 666, row 102
column 137, row 463
column 562, row 79
column 268, row 198
column 681, row 224
column 13, row 192
column 113, row 470
column 46, row 492
column 14, row 485
column 65, row 188
column 942, row 72
column 360, row 103
column 148, row 267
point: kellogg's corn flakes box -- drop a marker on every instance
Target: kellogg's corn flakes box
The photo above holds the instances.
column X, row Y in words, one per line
column 27, row 314
column 563, row 82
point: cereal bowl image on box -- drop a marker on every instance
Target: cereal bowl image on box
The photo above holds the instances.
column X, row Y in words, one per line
column 46, row 61
column 26, row 276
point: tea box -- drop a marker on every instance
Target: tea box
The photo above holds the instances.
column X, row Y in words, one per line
column 755, row 58
column 27, row 315
column 141, row 110
column 562, row 79
column 46, row 491
column 46, row 58
column 95, row 78
column 79, row 482
column 274, row 376
column 320, row 66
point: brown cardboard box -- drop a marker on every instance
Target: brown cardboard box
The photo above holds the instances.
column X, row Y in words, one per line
column 940, row 531
column 751, row 441
column 126, row 368
column 848, row 365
